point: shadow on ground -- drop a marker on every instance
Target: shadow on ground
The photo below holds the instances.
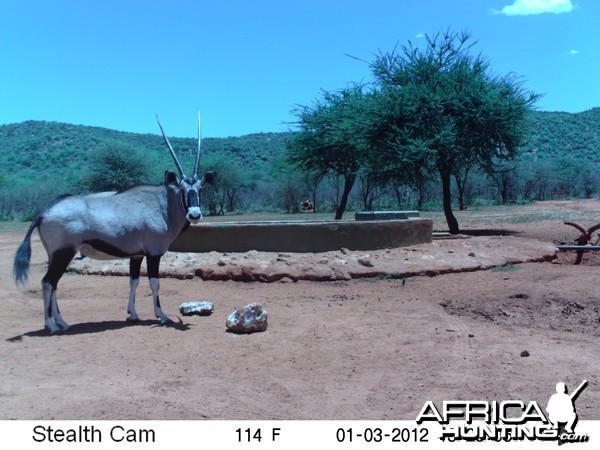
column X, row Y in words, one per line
column 100, row 327
column 489, row 232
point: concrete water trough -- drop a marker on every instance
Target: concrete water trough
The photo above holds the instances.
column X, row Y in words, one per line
column 303, row 235
column 386, row 215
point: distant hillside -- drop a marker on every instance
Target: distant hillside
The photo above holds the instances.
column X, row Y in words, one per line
column 36, row 147
column 564, row 134
column 39, row 160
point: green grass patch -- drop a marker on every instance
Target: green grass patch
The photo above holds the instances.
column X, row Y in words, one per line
column 507, row 268
column 390, row 276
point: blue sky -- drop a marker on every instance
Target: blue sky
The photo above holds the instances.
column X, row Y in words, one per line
column 246, row 64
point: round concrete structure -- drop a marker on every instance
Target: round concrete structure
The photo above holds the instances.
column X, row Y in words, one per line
column 303, row 236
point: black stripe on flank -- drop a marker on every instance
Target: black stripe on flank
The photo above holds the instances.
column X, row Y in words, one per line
column 108, row 249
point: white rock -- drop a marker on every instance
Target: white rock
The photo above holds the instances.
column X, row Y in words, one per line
column 196, row 308
column 249, row 319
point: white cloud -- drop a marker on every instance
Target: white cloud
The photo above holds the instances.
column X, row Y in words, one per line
column 420, row 36
column 573, row 52
column 527, row 7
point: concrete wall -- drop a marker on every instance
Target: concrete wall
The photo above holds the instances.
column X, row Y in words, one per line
column 303, row 236
column 386, row 215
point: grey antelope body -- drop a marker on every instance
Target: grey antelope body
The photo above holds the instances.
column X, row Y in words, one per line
column 139, row 222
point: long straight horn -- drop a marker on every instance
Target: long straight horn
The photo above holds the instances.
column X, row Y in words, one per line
column 197, row 163
column 171, row 149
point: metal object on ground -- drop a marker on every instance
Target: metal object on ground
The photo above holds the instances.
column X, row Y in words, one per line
column 578, row 247
column 583, row 241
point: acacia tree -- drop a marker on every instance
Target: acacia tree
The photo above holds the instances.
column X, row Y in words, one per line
column 447, row 111
column 333, row 138
column 227, row 193
column 115, row 167
column 287, row 188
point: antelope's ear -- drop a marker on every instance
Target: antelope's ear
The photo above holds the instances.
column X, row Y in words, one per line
column 208, row 178
column 171, row 179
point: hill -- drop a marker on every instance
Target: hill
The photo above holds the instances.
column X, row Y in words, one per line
column 555, row 134
column 40, row 159
column 36, row 147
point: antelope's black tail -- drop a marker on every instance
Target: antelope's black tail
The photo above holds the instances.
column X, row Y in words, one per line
column 23, row 255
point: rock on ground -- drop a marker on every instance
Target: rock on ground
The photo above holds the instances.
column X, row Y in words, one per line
column 196, row 308
column 249, row 319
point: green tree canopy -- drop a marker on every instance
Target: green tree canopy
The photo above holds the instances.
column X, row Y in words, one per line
column 445, row 111
column 115, row 168
column 231, row 181
column 334, row 137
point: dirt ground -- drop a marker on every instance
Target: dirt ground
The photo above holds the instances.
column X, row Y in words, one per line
column 374, row 342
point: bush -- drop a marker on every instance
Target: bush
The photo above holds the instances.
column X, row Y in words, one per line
column 115, row 168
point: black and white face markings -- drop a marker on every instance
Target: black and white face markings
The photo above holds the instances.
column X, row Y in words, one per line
column 190, row 186
column 190, row 192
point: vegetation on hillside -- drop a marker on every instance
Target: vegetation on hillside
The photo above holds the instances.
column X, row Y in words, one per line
column 39, row 160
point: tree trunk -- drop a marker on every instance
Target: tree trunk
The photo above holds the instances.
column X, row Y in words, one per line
column 460, row 193
column 399, row 197
column 420, row 193
column 461, row 185
column 230, row 198
column 314, row 196
column 504, row 190
column 447, row 200
column 348, row 184
column 421, row 199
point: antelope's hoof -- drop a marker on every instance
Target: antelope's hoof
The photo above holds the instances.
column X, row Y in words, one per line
column 52, row 328
column 132, row 320
column 165, row 321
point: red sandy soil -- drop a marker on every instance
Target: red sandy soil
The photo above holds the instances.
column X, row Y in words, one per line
column 445, row 321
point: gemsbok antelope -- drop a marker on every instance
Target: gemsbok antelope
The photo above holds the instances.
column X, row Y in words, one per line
column 139, row 222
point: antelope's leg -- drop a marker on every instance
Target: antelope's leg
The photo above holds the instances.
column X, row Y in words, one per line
column 47, row 290
column 153, row 263
column 64, row 326
column 59, row 262
column 135, row 263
